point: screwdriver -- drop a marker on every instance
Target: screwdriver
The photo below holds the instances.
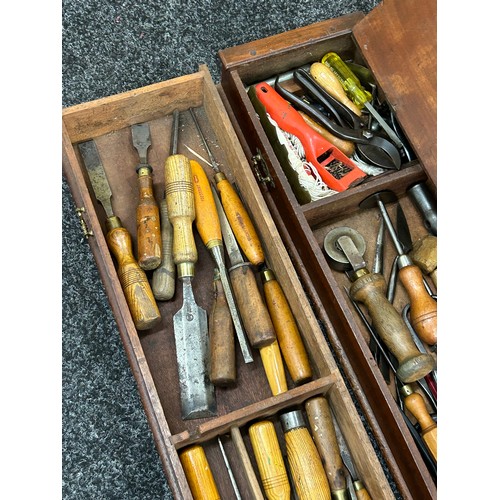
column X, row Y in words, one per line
column 356, row 92
column 208, row 225
column 135, row 284
column 149, row 241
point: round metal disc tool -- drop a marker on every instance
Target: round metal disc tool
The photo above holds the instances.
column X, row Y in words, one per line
column 333, row 250
column 385, row 196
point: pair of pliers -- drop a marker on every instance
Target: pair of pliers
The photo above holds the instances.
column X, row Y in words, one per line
column 372, row 148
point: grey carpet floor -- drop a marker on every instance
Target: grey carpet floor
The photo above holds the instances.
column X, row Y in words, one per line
column 109, row 47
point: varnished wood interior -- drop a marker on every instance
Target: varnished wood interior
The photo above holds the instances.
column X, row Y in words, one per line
column 152, row 353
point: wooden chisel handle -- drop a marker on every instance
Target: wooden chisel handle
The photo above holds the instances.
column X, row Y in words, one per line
column 323, row 433
column 221, row 338
column 240, row 221
column 198, row 473
column 287, row 332
column 270, row 463
column 423, row 308
column 274, row 368
column 413, row 365
column 163, row 282
column 307, row 470
column 181, row 212
column 149, row 241
column 133, row 279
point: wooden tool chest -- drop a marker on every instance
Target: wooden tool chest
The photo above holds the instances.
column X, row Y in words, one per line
column 291, row 233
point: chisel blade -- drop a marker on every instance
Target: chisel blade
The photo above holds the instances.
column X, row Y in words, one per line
column 141, row 139
column 191, row 344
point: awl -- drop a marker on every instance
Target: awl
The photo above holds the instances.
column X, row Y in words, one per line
column 190, row 322
column 134, row 281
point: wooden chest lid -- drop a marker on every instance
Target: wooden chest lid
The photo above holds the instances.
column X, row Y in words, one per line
column 398, row 40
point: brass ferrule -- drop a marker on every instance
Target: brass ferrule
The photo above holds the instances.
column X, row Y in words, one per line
column 406, row 390
column 113, row 222
column 214, row 243
column 143, row 170
column 358, row 485
column 219, row 176
column 267, row 275
column 185, row 269
column 340, row 495
column 359, row 273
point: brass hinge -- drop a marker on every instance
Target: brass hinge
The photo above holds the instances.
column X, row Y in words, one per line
column 83, row 224
column 260, row 169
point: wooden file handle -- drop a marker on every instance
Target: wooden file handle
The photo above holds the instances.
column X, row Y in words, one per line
column 269, row 460
column 181, row 212
column 221, row 338
column 323, row 433
column 240, row 221
column 423, row 308
column 198, row 473
column 163, row 282
column 274, row 368
column 148, row 223
column 327, row 79
column 413, row 365
column 287, row 332
column 138, row 293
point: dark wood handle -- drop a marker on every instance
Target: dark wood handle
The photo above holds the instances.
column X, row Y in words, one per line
column 133, row 279
column 221, row 337
column 148, row 224
column 370, row 291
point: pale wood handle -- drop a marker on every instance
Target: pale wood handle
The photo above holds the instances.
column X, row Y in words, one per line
column 274, row 368
column 413, row 365
column 198, row 473
column 135, row 284
column 269, row 460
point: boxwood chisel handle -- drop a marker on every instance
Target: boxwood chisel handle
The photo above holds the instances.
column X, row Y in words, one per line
column 198, row 473
column 308, row 474
column 270, row 463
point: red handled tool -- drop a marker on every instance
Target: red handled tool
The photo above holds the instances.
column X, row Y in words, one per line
column 337, row 171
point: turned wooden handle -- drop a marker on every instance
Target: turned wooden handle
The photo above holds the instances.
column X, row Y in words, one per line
column 221, row 338
column 308, row 474
column 346, row 147
column 181, row 210
column 416, row 406
column 133, row 279
column 323, row 433
column 198, row 473
column 370, row 290
column 148, row 223
column 240, row 221
column 274, row 368
column 163, row 281
column 253, row 311
column 270, row 463
column 424, row 255
column 207, row 218
column 423, row 308
column 326, row 78
column 287, row 332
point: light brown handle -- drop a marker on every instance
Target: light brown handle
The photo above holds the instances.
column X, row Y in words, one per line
column 346, row 147
column 240, row 221
column 253, row 311
column 361, row 492
column 274, row 368
column 221, row 338
column 148, row 223
column 416, row 405
column 323, row 433
column 133, row 279
column 287, row 332
column 423, row 308
column 198, row 473
column 308, row 474
column 413, row 365
column 163, row 282
column 331, row 84
column 181, row 212
column 270, row 463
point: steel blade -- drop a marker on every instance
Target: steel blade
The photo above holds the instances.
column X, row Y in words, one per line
column 344, row 451
column 97, row 175
column 403, row 231
column 141, row 139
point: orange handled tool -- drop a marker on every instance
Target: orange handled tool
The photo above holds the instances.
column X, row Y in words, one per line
column 336, row 170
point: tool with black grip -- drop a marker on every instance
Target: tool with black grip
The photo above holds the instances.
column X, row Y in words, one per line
column 138, row 293
column 149, row 240
column 346, row 247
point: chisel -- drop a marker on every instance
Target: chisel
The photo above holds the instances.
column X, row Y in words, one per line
column 163, row 282
column 255, row 316
column 149, row 240
column 138, row 293
column 208, row 225
column 190, row 322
